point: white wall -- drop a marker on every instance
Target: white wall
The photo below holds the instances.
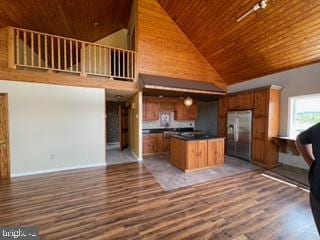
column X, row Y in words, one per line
column 117, row 39
column 54, row 127
column 295, row 82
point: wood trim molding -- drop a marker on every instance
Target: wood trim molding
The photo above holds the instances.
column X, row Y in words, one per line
column 66, row 79
column 272, row 86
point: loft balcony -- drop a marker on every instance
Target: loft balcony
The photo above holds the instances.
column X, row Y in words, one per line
column 46, row 52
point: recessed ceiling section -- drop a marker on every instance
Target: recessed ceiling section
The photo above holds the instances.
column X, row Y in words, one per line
column 284, row 35
column 118, row 95
column 81, row 19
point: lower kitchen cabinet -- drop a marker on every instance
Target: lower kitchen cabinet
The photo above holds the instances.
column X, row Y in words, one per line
column 155, row 143
column 197, row 154
column 216, row 152
column 150, row 144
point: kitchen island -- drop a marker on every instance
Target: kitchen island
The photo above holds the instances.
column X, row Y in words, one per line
column 195, row 152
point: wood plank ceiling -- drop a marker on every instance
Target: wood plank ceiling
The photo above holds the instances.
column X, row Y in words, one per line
column 283, row 36
column 69, row 18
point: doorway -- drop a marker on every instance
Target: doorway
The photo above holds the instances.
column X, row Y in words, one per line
column 4, row 137
column 117, row 134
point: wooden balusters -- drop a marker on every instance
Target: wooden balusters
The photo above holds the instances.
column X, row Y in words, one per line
column 32, row 49
column 39, row 50
column 46, row 51
column 77, row 57
column 52, row 52
column 11, row 49
column 59, row 54
column 83, row 59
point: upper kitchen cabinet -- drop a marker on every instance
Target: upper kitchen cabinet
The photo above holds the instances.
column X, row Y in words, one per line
column 223, row 107
column 265, row 104
column 243, row 101
column 261, row 103
column 183, row 113
column 151, row 109
column 193, row 111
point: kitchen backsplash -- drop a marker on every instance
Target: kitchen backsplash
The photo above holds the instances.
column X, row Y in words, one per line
column 173, row 123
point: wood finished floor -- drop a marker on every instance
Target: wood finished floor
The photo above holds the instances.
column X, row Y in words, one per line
column 125, row 202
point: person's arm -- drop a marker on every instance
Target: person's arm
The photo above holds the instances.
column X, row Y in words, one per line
column 305, row 150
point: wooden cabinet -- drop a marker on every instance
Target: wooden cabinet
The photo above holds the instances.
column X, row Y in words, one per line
column 233, row 102
column 261, row 101
column 215, row 152
column 150, row 144
column 180, row 111
column 242, row 101
column 155, row 143
column 167, row 105
column 192, row 111
column 222, row 127
column 223, row 107
column 195, row 155
column 245, row 101
column 265, row 103
column 259, row 128
column 183, row 113
column 259, row 152
column 153, row 109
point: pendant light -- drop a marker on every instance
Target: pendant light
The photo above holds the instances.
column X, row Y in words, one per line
column 188, row 101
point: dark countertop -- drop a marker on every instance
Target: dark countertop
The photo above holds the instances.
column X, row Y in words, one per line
column 193, row 137
column 161, row 130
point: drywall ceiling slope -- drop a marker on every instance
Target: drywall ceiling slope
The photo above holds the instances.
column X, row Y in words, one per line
column 283, row 36
column 81, row 19
column 164, row 50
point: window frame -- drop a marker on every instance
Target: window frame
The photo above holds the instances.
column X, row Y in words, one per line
column 292, row 111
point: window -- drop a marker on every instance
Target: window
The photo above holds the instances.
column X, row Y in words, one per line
column 304, row 112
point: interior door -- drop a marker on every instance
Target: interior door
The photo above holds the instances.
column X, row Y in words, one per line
column 124, row 127
column 231, row 126
column 4, row 138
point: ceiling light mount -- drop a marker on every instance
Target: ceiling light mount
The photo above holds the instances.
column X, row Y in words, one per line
column 261, row 5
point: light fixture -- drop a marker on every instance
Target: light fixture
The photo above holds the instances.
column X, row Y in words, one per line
column 261, row 5
column 188, row 101
column 119, row 97
column 160, row 96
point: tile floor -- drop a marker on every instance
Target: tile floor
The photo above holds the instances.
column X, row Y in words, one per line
column 170, row 177
column 115, row 156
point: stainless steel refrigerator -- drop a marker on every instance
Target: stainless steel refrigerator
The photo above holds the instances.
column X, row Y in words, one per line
column 239, row 134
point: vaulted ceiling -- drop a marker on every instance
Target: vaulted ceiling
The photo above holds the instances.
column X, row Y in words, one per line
column 69, row 18
column 284, row 35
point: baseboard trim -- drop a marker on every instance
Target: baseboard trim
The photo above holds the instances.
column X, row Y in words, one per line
column 139, row 159
column 57, row 170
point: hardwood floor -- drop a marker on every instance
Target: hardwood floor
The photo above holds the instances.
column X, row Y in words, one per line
column 125, row 202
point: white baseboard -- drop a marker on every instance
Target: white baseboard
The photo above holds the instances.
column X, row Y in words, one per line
column 57, row 170
column 139, row 159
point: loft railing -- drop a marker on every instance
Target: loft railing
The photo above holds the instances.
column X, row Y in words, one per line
column 31, row 49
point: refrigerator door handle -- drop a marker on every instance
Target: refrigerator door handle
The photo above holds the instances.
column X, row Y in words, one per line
column 234, row 130
column 237, row 130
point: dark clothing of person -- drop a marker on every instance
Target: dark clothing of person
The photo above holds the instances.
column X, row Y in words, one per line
column 312, row 136
column 315, row 208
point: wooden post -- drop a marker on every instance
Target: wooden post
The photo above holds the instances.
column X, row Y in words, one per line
column 83, row 60
column 11, row 53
